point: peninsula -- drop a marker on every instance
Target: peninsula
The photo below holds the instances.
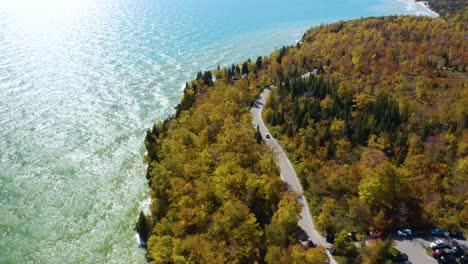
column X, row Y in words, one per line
column 366, row 120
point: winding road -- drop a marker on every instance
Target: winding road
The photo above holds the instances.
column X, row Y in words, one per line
column 306, row 226
column 414, row 248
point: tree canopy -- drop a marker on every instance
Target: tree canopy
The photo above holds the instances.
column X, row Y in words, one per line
column 377, row 133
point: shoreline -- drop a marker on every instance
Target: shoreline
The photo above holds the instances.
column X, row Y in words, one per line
column 145, row 204
column 425, row 5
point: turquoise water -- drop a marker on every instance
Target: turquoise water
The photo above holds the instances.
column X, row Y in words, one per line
column 81, row 80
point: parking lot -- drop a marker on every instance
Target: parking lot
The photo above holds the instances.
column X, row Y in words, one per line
column 415, row 247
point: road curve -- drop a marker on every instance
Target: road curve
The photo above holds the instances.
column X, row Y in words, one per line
column 288, row 174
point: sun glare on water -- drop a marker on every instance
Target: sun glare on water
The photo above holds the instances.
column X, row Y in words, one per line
column 45, row 13
column 44, row 7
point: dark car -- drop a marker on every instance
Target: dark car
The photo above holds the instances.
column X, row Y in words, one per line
column 438, row 232
column 456, row 234
column 330, row 238
column 457, row 251
column 268, row 136
column 399, row 258
column 454, row 243
column 353, row 237
column 421, row 232
column 448, row 259
column 310, row 244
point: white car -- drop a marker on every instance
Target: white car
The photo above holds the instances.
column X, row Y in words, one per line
column 404, row 232
column 438, row 244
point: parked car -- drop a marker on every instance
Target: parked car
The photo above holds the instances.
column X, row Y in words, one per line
column 378, row 233
column 438, row 232
column 399, row 258
column 420, row 232
column 330, row 238
column 405, row 233
column 456, row 234
column 457, row 251
column 438, row 244
column 353, row 237
column 439, row 252
column 448, row 259
column 268, row 136
column 310, row 244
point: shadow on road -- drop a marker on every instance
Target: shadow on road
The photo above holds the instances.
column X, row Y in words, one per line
column 301, row 234
column 257, row 104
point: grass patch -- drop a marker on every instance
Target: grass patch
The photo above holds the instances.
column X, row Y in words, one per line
column 429, row 251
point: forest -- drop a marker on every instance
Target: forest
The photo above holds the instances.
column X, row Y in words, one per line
column 378, row 136
column 447, row 7
column 216, row 192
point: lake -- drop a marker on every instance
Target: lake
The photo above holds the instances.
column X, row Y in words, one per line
column 82, row 80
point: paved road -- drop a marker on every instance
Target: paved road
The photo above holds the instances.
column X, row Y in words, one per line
column 414, row 248
column 288, row 175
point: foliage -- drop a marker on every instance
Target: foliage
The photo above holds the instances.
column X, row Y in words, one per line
column 282, row 229
column 378, row 251
column 344, row 246
column 379, row 137
column 216, row 192
column 447, row 6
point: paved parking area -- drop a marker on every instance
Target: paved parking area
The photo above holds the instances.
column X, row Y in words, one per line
column 415, row 248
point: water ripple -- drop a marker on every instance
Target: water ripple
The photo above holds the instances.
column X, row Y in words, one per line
column 80, row 80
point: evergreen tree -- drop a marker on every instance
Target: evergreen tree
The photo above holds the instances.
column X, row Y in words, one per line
column 237, row 70
column 208, row 78
column 142, row 227
column 245, row 69
column 258, row 63
column 152, row 143
column 258, row 135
